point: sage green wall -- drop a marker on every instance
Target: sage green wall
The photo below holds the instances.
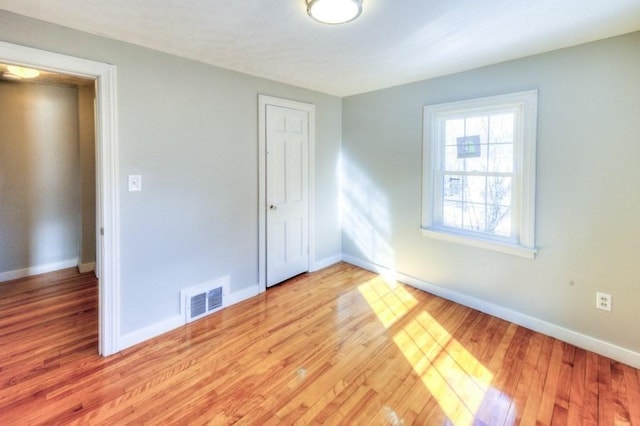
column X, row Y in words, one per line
column 588, row 199
column 191, row 131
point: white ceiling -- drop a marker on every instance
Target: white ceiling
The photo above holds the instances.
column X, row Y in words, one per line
column 393, row 42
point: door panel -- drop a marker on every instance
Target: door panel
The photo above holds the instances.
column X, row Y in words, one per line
column 287, row 144
column 294, row 170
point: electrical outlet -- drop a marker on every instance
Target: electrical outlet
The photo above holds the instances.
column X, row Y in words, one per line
column 603, row 301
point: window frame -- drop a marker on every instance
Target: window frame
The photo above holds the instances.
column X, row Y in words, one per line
column 522, row 241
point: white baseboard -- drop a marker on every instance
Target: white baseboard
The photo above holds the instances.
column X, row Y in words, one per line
column 157, row 329
column 584, row 341
column 86, row 267
column 149, row 332
column 35, row 270
column 240, row 295
column 324, row 263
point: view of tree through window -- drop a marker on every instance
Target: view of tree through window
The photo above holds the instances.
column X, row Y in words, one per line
column 478, row 173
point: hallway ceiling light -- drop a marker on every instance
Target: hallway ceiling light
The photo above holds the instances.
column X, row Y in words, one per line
column 22, row 72
column 334, row 11
column 9, row 76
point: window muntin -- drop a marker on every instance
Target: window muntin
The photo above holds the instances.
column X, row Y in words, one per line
column 479, row 169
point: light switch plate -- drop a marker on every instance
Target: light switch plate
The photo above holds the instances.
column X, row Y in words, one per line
column 135, row 183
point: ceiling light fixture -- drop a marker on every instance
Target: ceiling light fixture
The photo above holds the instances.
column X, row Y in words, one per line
column 334, row 11
column 23, row 72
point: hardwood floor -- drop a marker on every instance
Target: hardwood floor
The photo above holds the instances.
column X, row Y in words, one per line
column 339, row 346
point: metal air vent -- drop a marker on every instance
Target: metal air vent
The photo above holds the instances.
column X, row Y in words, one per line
column 204, row 299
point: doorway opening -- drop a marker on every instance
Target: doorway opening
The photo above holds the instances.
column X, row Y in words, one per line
column 47, row 155
column 106, row 166
column 48, row 201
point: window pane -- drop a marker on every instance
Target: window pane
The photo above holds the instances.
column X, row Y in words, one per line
column 477, row 126
column 452, row 214
column 476, row 164
column 473, row 188
column 452, row 188
column 501, row 158
column 455, row 163
column 499, row 221
column 473, row 217
column 454, row 129
column 452, row 162
column 499, row 191
column 502, row 128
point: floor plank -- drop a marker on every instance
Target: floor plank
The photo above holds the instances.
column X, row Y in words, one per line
column 605, row 392
column 341, row 345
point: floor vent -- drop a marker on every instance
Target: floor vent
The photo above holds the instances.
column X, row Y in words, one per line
column 204, row 299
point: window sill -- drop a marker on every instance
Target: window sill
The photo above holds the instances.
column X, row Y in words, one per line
column 502, row 247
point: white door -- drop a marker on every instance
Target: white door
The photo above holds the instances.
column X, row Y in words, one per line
column 287, row 193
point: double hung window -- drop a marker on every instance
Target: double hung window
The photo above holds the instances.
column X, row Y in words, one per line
column 479, row 172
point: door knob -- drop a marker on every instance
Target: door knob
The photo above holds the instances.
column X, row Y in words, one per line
column 272, row 207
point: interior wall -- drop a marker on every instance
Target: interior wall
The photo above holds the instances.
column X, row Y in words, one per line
column 587, row 222
column 39, row 176
column 87, row 153
column 191, row 131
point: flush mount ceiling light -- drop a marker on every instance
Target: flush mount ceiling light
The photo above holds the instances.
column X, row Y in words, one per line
column 334, row 11
column 22, row 72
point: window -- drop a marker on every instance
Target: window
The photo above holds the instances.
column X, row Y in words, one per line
column 479, row 172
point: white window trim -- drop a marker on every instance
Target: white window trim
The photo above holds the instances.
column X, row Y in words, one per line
column 525, row 167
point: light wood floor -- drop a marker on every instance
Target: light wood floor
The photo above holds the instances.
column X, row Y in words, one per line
column 340, row 346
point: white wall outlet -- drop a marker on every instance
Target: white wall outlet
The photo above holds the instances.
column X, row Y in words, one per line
column 603, row 301
column 135, row 183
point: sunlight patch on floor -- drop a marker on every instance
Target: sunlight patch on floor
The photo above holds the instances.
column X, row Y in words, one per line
column 389, row 300
column 455, row 378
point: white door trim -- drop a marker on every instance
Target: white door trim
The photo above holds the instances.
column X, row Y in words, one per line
column 106, row 173
column 263, row 101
